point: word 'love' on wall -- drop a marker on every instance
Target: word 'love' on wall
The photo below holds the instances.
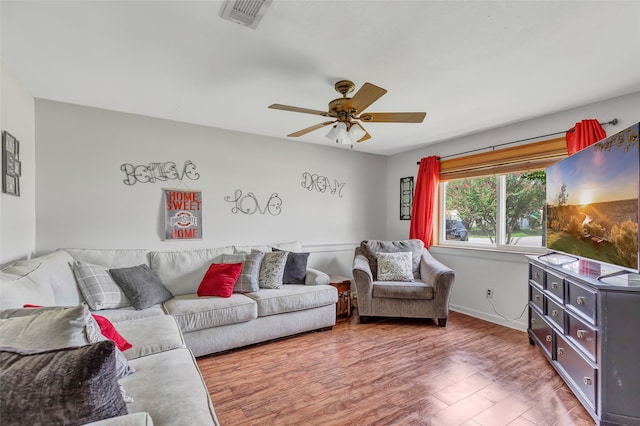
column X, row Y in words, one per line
column 249, row 204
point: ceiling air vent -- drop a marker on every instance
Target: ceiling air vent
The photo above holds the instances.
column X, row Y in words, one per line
column 245, row 12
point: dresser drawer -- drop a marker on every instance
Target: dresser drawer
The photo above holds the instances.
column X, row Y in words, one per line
column 542, row 331
column 536, row 297
column 555, row 313
column 555, row 286
column 582, row 334
column 536, row 274
column 580, row 371
column 582, row 300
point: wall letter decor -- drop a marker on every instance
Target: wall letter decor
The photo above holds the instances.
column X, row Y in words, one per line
column 406, row 197
column 321, row 184
column 248, row 204
column 154, row 172
column 183, row 214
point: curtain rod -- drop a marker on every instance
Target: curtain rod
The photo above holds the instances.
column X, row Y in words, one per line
column 612, row 122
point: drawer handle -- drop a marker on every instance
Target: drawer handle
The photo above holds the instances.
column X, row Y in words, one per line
column 537, row 297
column 580, row 300
column 560, row 351
column 533, row 320
column 587, row 380
column 554, row 313
column 548, row 338
column 536, row 274
column 554, row 285
column 581, row 334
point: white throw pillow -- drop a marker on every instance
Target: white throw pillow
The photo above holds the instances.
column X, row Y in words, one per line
column 395, row 266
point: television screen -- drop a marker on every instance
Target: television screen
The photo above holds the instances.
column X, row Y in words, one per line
column 592, row 201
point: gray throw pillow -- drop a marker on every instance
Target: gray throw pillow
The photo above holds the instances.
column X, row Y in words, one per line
column 295, row 270
column 99, row 290
column 272, row 269
column 371, row 247
column 248, row 279
column 70, row 386
column 141, row 285
column 54, row 327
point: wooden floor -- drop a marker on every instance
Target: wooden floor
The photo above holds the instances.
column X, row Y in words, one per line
column 392, row 372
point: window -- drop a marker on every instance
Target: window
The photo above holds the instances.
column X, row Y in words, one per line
column 497, row 199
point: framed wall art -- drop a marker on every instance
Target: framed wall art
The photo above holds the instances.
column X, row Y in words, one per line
column 11, row 165
column 406, row 197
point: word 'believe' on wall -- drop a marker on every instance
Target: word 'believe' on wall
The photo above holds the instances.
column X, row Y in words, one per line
column 154, row 172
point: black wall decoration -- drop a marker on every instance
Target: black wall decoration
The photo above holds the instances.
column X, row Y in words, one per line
column 406, row 197
column 249, row 204
column 154, row 172
column 321, row 184
column 11, row 165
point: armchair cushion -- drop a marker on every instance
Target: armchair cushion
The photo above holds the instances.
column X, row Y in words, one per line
column 371, row 247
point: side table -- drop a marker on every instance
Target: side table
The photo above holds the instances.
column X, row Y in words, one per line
column 343, row 284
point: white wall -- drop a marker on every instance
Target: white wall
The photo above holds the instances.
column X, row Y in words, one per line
column 83, row 202
column 17, row 214
column 477, row 270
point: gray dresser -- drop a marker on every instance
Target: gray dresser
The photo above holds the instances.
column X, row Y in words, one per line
column 589, row 330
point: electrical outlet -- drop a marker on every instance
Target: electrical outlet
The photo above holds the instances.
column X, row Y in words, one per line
column 489, row 293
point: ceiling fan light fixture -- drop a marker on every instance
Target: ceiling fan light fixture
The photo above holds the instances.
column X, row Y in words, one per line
column 338, row 132
column 356, row 132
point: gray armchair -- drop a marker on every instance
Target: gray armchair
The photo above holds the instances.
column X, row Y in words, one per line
column 427, row 296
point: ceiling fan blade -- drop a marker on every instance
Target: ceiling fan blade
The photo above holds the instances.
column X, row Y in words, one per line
column 366, row 134
column 310, row 129
column 393, row 117
column 297, row 109
column 368, row 94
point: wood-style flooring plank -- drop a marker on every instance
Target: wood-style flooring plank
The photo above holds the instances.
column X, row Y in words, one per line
column 392, row 372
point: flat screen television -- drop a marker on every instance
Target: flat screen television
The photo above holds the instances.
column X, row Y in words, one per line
column 592, row 202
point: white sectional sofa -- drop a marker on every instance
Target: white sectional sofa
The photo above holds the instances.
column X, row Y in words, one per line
column 167, row 387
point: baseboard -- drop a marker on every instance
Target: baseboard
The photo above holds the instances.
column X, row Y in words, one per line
column 496, row 319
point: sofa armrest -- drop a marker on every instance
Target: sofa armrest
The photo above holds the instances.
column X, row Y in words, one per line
column 441, row 277
column 131, row 419
column 316, row 277
column 363, row 279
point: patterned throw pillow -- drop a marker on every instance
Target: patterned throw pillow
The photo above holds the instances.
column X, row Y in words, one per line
column 272, row 269
column 394, row 266
column 248, row 279
column 99, row 290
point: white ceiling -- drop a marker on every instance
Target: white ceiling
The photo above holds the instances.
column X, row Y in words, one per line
column 471, row 65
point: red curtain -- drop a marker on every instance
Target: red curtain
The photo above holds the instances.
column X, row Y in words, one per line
column 583, row 134
column 424, row 202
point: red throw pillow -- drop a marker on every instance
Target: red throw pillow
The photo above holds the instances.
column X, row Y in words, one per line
column 106, row 328
column 220, row 279
column 109, row 331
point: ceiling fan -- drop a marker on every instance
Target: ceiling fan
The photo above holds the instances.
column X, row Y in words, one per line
column 348, row 113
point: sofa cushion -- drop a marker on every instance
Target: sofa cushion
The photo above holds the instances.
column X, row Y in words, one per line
column 64, row 386
column 15, row 290
column 168, row 386
column 133, row 419
column 251, row 249
column 99, row 290
column 272, row 269
column 294, row 297
column 220, row 279
column 402, row 290
column 295, row 269
column 111, row 258
column 182, row 270
column 371, row 247
column 394, row 266
column 151, row 335
column 141, row 285
column 248, row 279
column 131, row 313
column 295, row 246
column 50, row 273
column 195, row 313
